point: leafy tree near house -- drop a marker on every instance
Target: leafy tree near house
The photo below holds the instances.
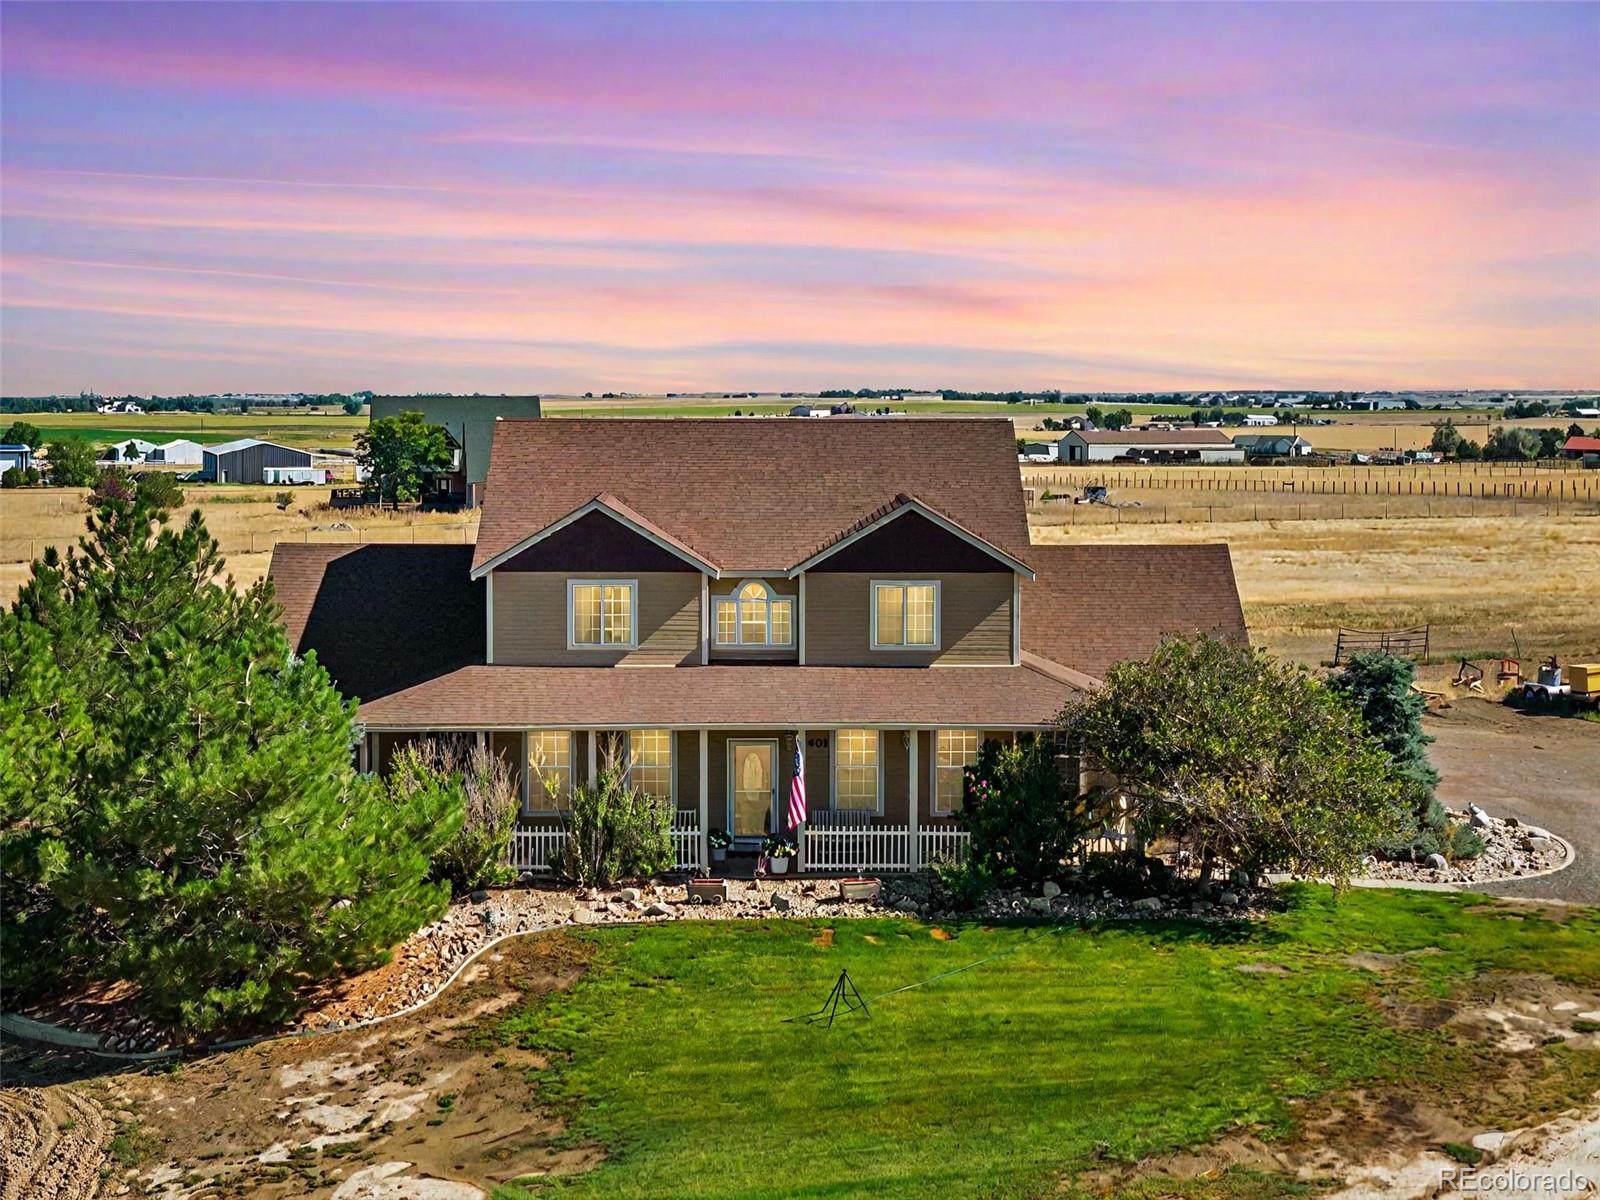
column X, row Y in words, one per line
column 178, row 806
column 1507, row 444
column 1380, row 686
column 401, row 452
column 1240, row 758
column 1574, row 430
column 21, row 433
column 71, row 462
column 352, row 406
column 16, row 477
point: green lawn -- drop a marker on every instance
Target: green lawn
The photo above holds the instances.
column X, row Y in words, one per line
column 673, row 1052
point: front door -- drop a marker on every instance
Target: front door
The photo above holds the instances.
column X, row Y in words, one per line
column 751, row 788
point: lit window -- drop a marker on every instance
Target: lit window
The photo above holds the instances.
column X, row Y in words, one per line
column 549, row 770
column 601, row 613
column 957, row 750
column 855, row 770
column 905, row 616
column 650, row 761
column 753, row 616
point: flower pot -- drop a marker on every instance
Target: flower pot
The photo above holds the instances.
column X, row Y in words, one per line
column 780, row 866
column 719, row 854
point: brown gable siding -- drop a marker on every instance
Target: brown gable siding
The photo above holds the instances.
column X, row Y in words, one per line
column 975, row 621
column 530, row 621
column 596, row 544
column 753, row 495
column 1092, row 606
column 910, row 543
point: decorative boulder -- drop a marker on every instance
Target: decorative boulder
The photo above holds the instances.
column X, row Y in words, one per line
column 1148, row 904
column 1436, row 862
column 1050, row 890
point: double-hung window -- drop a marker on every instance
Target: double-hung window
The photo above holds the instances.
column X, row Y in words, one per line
column 602, row 613
column 755, row 616
column 957, row 750
column 549, row 770
column 650, row 761
column 905, row 615
column 856, row 780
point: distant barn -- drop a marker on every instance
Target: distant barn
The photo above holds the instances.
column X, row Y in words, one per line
column 246, row 460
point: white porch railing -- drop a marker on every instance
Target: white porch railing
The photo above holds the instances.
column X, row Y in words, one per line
column 942, row 842
column 868, row 848
column 686, row 839
column 538, row 847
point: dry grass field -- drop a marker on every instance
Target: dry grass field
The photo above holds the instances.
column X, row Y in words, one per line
column 245, row 520
column 1476, row 580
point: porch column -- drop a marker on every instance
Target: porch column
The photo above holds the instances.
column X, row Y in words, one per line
column 705, row 799
column 483, row 741
column 594, row 742
column 916, row 841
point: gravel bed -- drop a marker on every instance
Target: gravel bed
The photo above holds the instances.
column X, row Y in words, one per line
column 1511, row 850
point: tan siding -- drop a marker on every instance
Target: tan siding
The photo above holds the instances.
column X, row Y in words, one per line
column 686, row 761
column 530, row 622
column 896, row 776
column 509, row 747
column 975, row 622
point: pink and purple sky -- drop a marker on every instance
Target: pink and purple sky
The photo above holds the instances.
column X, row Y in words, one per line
column 561, row 198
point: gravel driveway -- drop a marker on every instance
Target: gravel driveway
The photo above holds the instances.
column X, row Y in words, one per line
column 1542, row 770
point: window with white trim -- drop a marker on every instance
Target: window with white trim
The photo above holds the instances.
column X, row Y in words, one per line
column 755, row 616
column 650, row 761
column 957, row 750
column 600, row 612
column 549, row 770
column 905, row 615
column 855, row 770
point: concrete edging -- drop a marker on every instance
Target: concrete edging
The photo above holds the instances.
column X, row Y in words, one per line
column 1453, row 885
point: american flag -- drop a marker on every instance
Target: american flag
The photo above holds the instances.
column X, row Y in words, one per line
column 797, row 789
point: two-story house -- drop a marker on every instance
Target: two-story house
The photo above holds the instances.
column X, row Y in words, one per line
column 701, row 597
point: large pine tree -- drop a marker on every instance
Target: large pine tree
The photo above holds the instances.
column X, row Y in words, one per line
column 178, row 805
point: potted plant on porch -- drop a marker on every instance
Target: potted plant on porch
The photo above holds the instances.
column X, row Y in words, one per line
column 720, row 840
column 779, row 850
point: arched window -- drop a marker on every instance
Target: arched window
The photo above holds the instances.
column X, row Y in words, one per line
column 754, row 616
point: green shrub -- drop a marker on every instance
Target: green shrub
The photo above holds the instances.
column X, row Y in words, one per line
column 1024, row 811
column 615, row 831
column 16, row 477
column 480, row 784
column 159, row 489
column 960, row 884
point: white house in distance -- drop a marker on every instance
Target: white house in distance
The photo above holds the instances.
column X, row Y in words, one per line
column 131, row 451
column 1150, row 445
column 1272, row 445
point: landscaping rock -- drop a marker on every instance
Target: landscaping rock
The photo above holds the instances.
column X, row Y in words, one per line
column 781, row 903
column 479, row 896
column 527, row 879
column 1148, row 904
column 1039, row 903
column 1231, row 899
column 1239, row 878
column 630, row 894
column 1050, row 890
column 1478, row 818
column 659, row 909
column 1436, row 862
column 1544, row 845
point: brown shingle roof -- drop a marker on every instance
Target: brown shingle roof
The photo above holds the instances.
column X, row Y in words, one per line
column 1153, row 437
column 380, row 617
column 782, row 697
column 753, row 494
column 1092, row 606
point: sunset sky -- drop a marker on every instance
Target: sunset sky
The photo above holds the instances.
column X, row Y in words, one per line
column 607, row 197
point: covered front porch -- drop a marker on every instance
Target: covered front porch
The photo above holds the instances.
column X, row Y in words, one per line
column 878, row 798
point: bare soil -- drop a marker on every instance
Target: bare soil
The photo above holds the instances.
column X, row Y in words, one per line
column 325, row 1116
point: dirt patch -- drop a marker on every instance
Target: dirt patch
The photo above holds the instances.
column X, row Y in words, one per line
column 420, row 1108
column 53, row 1142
